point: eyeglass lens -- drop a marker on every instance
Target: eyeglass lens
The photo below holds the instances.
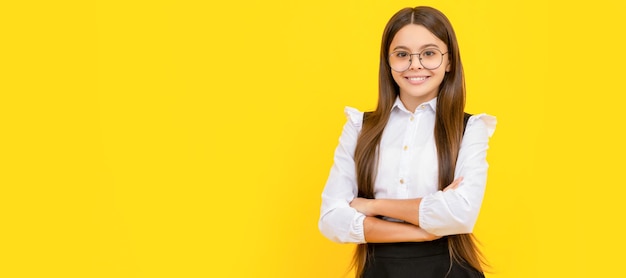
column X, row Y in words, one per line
column 429, row 58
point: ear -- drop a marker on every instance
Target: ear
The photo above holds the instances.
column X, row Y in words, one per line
column 448, row 67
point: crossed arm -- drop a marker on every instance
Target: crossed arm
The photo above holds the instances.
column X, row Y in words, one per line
column 378, row 230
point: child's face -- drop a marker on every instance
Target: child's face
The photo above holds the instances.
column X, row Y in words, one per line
column 418, row 84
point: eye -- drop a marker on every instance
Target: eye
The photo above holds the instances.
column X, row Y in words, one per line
column 401, row 54
column 429, row 52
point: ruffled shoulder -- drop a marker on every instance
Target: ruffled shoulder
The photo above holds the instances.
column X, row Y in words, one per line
column 354, row 116
column 488, row 120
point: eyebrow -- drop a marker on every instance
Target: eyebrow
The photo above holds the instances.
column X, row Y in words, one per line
column 422, row 47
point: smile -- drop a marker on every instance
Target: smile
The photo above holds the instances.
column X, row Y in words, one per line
column 417, row 80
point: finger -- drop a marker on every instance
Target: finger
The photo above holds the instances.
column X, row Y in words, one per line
column 454, row 184
column 457, row 182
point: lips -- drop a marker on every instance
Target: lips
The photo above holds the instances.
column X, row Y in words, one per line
column 416, row 80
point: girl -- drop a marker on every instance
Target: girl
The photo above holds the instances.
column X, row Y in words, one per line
column 408, row 178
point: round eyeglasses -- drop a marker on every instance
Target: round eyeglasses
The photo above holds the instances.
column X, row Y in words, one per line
column 430, row 59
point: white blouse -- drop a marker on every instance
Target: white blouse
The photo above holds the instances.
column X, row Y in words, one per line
column 407, row 169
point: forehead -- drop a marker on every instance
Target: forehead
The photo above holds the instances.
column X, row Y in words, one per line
column 415, row 36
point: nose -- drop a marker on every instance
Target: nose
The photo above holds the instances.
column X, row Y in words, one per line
column 415, row 62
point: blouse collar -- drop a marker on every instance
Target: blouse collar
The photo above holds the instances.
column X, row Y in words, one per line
column 432, row 104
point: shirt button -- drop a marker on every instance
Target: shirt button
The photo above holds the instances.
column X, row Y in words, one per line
column 411, row 119
column 401, row 181
column 406, row 148
column 422, row 106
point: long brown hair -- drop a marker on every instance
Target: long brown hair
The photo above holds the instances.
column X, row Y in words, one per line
column 448, row 124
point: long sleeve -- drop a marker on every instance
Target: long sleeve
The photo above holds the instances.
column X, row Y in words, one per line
column 338, row 221
column 455, row 211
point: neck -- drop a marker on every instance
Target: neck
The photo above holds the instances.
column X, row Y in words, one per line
column 411, row 103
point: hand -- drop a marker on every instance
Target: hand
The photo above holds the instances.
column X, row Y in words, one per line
column 363, row 206
column 426, row 236
column 453, row 185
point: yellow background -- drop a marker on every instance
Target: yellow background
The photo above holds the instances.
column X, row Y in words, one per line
column 193, row 138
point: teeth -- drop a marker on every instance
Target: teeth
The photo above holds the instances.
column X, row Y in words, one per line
column 417, row 78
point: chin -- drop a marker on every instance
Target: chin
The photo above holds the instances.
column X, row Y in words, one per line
column 421, row 94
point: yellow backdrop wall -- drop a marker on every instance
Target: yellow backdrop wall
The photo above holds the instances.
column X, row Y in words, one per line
column 193, row 138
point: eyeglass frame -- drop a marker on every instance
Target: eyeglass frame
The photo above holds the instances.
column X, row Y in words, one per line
column 419, row 58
